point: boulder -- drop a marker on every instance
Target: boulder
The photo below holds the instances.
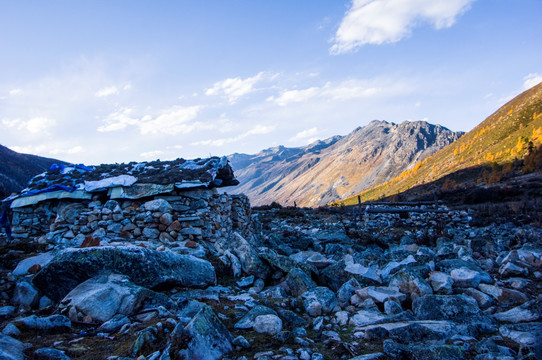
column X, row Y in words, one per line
column 529, row 311
column 103, row 297
column 247, row 321
column 267, row 324
column 23, row 266
column 526, row 334
column 319, row 300
column 504, row 296
column 246, row 253
column 50, row 354
column 423, row 352
column 144, row 267
column 460, row 309
column 441, row 282
column 11, row 349
column 299, row 282
column 346, row 291
column 53, row 323
column 451, row 264
column 204, row 337
column 411, row 284
column 411, row 331
column 25, row 294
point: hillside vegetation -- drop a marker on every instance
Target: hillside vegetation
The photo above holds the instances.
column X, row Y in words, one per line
column 509, row 134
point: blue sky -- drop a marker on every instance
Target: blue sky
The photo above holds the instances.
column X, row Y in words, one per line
column 117, row 81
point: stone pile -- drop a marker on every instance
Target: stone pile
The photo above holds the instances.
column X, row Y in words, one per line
column 193, row 215
column 274, row 284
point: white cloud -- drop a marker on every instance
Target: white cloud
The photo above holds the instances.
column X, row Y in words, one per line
column 305, row 134
column 76, row 150
column 294, row 96
column 35, row 125
column 256, row 130
column 118, row 120
column 151, row 154
column 387, row 21
column 172, row 121
column 344, row 91
column 108, row 91
column 532, row 80
column 39, row 124
column 15, row 92
column 234, row 88
column 127, row 87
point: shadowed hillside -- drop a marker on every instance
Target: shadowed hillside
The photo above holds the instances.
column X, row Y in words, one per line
column 508, row 135
column 17, row 169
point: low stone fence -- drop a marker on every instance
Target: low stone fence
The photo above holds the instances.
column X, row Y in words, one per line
column 191, row 215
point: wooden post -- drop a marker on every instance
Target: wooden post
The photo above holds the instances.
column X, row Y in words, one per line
column 359, row 207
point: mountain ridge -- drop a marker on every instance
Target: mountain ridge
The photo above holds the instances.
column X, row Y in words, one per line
column 330, row 169
column 16, row 169
column 507, row 135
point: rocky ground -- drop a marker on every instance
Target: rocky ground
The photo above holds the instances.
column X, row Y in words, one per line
column 309, row 284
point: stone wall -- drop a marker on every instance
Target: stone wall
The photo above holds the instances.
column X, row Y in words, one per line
column 197, row 215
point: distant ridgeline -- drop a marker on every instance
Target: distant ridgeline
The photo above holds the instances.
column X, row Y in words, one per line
column 508, row 140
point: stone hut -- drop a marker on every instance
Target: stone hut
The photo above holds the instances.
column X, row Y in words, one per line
column 173, row 204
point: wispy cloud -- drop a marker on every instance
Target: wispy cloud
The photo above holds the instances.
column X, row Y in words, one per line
column 343, row 91
column 234, row 88
column 13, row 92
column 387, row 21
column 118, row 120
column 531, row 80
column 151, row 154
column 107, row 91
column 34, row 125
column 256, row 130
column 172, row 121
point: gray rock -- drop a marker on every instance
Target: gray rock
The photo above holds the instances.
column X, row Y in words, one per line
column 411, row 284
column 392, row 307
column 114, row 324
column 381, row 294
column 6, row 311
column 103, row 297
column 319, row 300
column 484, row 301
column 50, row 323
column 203, row 337
column 246, row 281
column 247, row 321
column 158, row 205
column 24, row 265
column 246, row 253
column 504, row 296
column 25, row 294
column 373, row 356
column 367, row 317
column 423, row 352
column 147, row 338
column 144, row 267
column 451, row 264
column 465, row 278
column 241, row 341
column 50, row 354
column 436, row 332
column 11, row 330
column 527, row 312
column 10, row 348
column 460, row 309
column 526, row 334
column 267, row 324
column 299, row 282
column 441, row 282
column 150, row 233
column 346, row 291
